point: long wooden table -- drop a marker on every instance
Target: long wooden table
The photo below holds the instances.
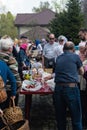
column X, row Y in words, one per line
column 28, row 98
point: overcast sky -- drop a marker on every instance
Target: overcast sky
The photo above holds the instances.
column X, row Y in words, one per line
column 22, row 6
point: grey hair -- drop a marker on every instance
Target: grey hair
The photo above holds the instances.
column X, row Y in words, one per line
column 61, row 37
column 5, row 44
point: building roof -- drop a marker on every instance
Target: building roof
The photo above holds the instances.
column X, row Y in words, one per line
column 41, row 18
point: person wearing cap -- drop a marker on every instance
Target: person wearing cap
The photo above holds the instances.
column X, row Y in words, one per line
column 66, row 93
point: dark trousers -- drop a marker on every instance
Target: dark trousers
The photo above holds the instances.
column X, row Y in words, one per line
column 49, row 63
column 20, row 71
column 84, row 107
column 65, row 96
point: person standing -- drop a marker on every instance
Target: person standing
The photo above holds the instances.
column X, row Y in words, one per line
column 61, row 41
column 83, row 79
column 38, row 46
column 6, row 48
column 66, row 93
column 50, row 52
column 23, row 59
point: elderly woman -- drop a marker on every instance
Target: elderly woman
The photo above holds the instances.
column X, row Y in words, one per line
column 83, row 57
column 81, row 51
column 83, row 81
column 61, row 41
column 6, row 47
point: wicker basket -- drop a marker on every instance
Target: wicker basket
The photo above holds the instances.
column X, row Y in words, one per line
column 36, row 76
column 3, row 94
column 5, row 128
column 48, row 70
column 20, row 125
column 3, row 123
column 13, row 113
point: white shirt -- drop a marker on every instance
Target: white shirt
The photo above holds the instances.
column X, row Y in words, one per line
column 51, row 50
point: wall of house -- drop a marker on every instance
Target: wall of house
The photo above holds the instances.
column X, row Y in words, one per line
column 46, row 29
column 33, row 32
column 24, row 30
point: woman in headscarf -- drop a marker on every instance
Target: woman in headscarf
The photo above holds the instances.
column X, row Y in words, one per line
column 23, row 59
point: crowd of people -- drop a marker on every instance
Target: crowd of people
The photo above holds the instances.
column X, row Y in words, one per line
column 69, row 71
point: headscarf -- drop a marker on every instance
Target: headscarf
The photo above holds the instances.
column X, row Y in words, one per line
column 24, row 46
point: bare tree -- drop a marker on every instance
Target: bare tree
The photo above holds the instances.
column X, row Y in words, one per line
column 59, row 5
column 42, row 6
